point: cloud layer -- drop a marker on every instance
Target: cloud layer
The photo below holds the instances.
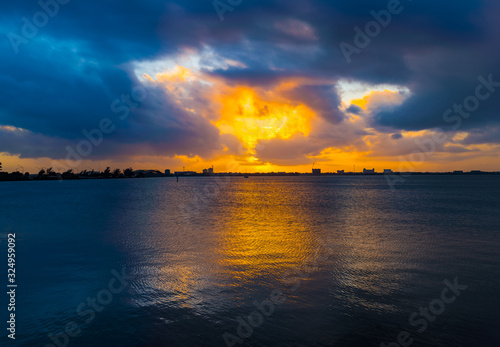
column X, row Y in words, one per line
column 70, row 74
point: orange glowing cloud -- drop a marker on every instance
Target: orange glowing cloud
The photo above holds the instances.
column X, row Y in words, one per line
column 249, row 115
column 266, row 129
column 251, row 119
column 376, row 99
column 172, row 78
column 177, row 74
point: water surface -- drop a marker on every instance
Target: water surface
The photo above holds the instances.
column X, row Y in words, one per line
column 352, row 259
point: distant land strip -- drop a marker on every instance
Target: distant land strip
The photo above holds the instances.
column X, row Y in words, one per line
column 49, row 174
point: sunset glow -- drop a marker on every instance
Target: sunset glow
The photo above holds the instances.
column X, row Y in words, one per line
column 251, row 119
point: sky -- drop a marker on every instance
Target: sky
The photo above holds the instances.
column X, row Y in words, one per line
column 250, row 86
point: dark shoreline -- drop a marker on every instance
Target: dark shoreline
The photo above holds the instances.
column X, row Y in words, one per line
column 5, row 177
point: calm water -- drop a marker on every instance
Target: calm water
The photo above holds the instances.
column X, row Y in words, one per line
column 352, row 260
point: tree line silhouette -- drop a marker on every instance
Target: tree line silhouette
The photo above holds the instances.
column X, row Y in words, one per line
column 50, row 174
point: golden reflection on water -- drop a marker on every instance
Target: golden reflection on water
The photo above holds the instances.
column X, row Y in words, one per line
column 264, row 231
column 254, row 233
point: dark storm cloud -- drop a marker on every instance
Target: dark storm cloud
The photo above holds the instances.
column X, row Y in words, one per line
column 482, row 136
column 354, row 109
column 65, row 78
column 323, row 99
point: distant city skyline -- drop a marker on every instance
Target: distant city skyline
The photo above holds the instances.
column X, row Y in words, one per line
column 109, row 172
column 33, row 167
